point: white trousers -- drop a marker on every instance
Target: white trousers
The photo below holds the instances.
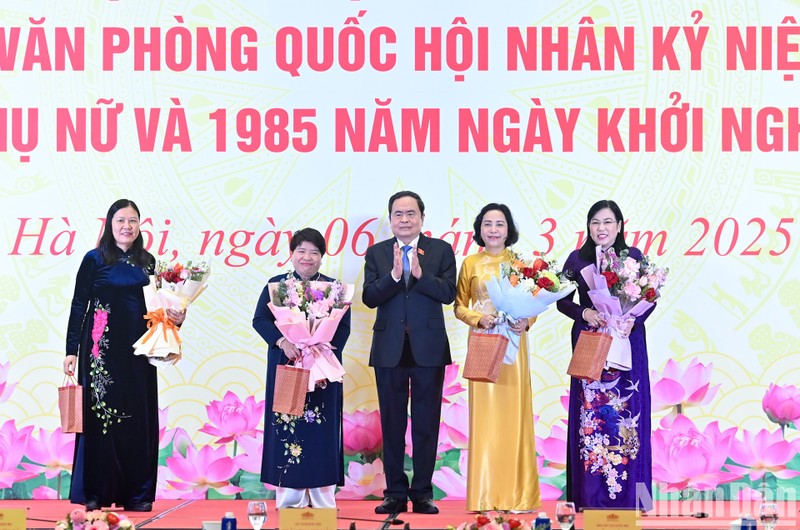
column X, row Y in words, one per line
column 322, row 497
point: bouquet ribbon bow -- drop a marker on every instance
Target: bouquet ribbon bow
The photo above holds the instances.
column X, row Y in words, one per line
column 160, row 342
column 156, row 318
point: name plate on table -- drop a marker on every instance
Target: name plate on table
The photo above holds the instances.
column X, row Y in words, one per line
column 13, row 518
column 610, row 519
column 307, row 519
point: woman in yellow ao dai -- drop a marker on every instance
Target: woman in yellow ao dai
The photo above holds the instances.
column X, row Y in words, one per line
column 501, row 471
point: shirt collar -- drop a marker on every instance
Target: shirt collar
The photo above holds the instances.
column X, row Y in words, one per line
column 413, row 243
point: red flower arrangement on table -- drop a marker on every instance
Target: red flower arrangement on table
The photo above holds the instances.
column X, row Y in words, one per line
column 79, row 519
column 493, row 521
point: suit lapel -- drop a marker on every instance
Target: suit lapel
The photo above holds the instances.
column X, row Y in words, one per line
column 388, row 252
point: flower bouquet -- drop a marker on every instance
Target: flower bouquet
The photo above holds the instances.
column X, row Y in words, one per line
column 493, row 521
column 171, row 287
column 307, row 313
column 621, row 289
column 525, row 289
column 79, row 519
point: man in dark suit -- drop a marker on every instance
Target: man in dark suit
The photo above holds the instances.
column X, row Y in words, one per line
column 409, row 278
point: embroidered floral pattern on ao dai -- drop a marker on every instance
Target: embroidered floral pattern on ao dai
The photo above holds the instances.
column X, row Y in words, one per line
column 609, row 431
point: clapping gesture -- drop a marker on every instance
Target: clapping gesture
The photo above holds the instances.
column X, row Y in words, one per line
column 397, row 264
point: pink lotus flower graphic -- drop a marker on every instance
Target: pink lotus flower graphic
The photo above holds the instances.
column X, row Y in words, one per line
column 178, row 437
column 231, row 418
column 761, row 453
column 749, row 494
column 363, row 480
column 453, row 430
column 51, row 453
column 362, row 433
column 164, row 490
column 452, row 385
column 548, row 492
column 451, row 483
column 162, row 428
column 553, row 451
column 43, row 493
column 680, row 388
column 782, row 404
column 13, row 444
column 5, row 387
column 203, row 470
column 684, row 456
column 252, row 447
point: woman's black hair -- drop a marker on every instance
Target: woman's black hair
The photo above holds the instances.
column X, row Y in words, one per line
column 107, row 246
column 312, row 236
column 587, row 251
column 513, row 232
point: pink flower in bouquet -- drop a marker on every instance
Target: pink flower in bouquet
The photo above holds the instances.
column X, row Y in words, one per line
column 631, row 267
column 684, row 456
column 13, row 444
column 200, row 471
column 77, row 516
column 680, row 388
column 553, row 450
column 452, row 385
column 231, row 418
column 632, row 290
column 761, row 453
column 5, row 387
column 362, row 432
column 94, row 520
column 51, row 453
column 363, row 480
column 451, row 483
column 782, row 404
column 43, row 493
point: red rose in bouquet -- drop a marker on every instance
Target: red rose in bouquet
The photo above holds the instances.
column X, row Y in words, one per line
column 650, row 294
column 611, row 278
column 545, row 283
column 540, row 265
